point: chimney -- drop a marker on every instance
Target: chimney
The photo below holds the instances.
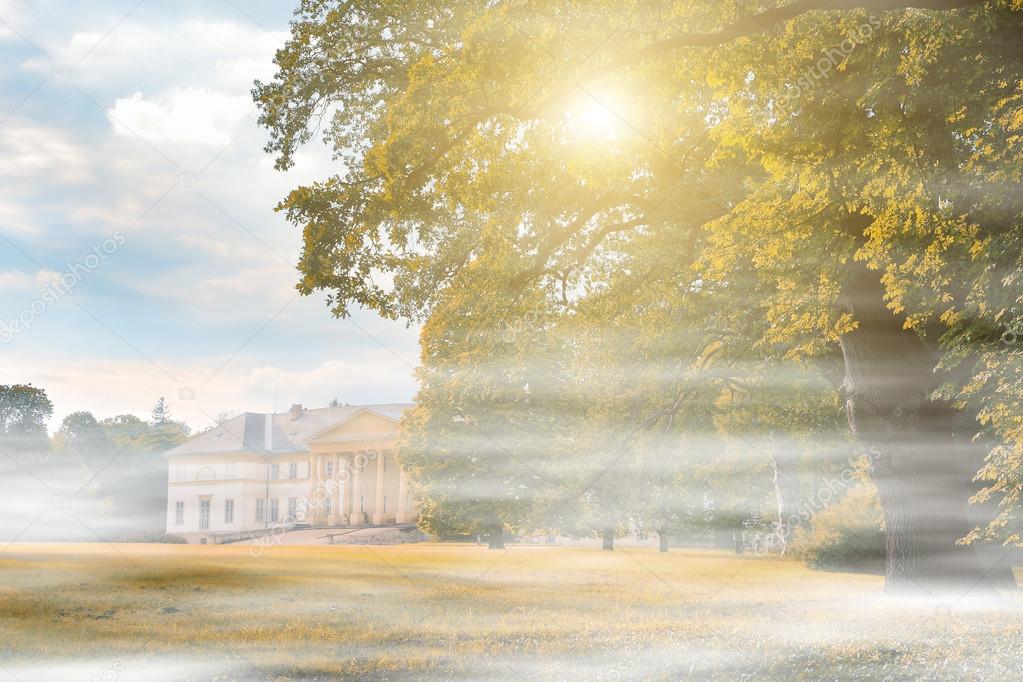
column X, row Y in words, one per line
column 296, row 411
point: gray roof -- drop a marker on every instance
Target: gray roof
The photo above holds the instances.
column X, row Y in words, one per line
column 247, row 431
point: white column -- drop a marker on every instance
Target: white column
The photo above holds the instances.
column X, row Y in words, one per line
column 319, row 491
column 357, row 518
column 345, row 474
column 311, row 511
column 402, row 515
column 335, row 506
column 378, row 515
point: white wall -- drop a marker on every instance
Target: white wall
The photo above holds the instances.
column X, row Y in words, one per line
column 220, row 480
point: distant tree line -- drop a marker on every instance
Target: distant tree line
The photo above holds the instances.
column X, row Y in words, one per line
column 116, row 460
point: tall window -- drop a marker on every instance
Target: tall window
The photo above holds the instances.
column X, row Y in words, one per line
column 362, row 504
column 261, row 509
column 228, row 511
column 274, row 515
column 204, row 514
column 385, row 504
column 330, row 468
column 292, row 508
column 326, row 505
column 275, row 472
column 179, row 513
column 293, row 470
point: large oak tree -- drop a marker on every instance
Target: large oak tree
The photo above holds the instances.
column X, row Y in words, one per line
column 843, row 175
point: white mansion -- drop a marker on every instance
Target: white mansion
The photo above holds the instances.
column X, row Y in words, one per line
column 332, row 466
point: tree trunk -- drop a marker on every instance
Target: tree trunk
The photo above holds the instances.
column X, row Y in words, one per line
column 662, row 540
column 922, row 456
column 495, row 536
column 609, row 539
column 787, row 494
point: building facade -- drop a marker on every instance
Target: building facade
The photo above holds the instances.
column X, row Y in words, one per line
column 332, row 466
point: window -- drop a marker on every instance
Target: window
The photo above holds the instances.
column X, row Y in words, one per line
column 204, row 514
column 261, row 510
column 385, row 504
column 362, row 503
column 275, row 472
column 330, row 468
column 179, row 513
column 274, row 515
column 293, row 470
column 228, row 511
column 292, row 508
column 326, row 505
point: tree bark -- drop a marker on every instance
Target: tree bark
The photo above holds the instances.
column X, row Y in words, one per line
column 495, row 536
column 609, row 539
column 922, row 456
column 662, row 541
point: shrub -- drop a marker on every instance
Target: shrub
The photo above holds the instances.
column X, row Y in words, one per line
column 847, row 536
column 171, row 539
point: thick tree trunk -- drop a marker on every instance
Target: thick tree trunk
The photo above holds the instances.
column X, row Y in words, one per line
column 495, row 536
column 609, row 539
column 922, row 456
column 662, row 541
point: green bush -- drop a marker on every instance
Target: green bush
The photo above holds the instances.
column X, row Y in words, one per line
column 846, row 536
column 171, row 539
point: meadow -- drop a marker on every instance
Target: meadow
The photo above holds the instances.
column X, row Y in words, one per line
column 443, row 611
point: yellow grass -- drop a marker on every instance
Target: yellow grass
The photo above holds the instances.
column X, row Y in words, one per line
column 436, row 611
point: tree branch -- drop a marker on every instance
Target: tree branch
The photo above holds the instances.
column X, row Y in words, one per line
column 748, row 26
column 772, row 17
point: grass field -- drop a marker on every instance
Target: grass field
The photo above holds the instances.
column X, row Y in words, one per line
column 429, row 611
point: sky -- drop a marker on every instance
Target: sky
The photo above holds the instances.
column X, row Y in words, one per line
column 140, row 255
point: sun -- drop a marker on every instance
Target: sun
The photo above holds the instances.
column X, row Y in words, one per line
column 597, row 116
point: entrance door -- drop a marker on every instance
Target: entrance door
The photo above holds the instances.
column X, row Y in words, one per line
column 204, row 513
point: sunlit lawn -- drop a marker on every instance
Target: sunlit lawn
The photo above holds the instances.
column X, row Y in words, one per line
column 439, row 611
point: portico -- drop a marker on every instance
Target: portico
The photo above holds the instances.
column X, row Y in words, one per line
column 344, row 480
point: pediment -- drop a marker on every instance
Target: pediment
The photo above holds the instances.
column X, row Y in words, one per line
column 366, row 424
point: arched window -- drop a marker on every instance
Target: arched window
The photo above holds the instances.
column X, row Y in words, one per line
column 206, row 474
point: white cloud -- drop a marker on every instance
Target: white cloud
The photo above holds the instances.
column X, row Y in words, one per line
column 222, row 247
column 188, row 116
column 9, row 14
column 223, row 291
column 33, row 153
column 344, row 379
column 15, row 219
column 15, row 280
column 220, row 55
